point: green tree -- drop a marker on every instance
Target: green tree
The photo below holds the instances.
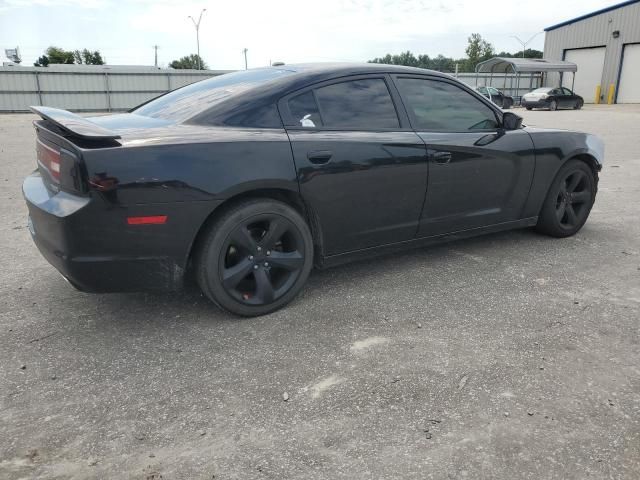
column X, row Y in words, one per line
column 43, row 61
column 59, row 55
column 193, row 62
column 478, row 50
column 528, row 53
column 68, row 57
column 88, row 57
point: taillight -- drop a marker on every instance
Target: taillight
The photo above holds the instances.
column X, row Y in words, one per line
column 62, row 167
column 49, row 159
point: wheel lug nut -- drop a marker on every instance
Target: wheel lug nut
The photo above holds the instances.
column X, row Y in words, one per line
column 266, row 264
column 250, row 257
column 268, row 252
column 255, row 267
column 259, row 249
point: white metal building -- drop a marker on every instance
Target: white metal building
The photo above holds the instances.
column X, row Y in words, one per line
column 89, row 87
column 606, row 47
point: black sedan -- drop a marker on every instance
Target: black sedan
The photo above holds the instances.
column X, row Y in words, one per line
column 552, row 98
column 248, row 180
column 496, row 96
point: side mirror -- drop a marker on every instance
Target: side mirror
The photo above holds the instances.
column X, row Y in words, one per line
column 511, row 121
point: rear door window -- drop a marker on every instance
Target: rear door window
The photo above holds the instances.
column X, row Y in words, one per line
column 363, row 104
column 357, row 104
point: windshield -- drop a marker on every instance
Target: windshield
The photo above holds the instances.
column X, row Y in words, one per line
column 186, row 102
column 541, row 90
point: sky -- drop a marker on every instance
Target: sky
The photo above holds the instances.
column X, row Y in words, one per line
column 291, row 31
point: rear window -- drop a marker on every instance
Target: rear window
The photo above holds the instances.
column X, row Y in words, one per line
column 186, row 102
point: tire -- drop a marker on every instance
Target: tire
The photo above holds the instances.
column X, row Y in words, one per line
column 579, row 104
column 529, row 108
column 255, row 258
column 553, row 106
column 569, row 200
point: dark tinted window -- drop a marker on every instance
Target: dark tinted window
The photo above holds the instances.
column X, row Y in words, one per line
column 566, row 91
column 441, row 106
column 305, row 111
column 187, row 102
column 265, row 116
column 358, row 104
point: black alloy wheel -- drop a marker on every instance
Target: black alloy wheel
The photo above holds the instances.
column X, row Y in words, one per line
column 257, row 258
column 261, row 259
column 572, row 199
column 579, row 104
column 569, row 200
column 553, row 105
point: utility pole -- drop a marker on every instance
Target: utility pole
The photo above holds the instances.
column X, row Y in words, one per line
column 197, row 25
column 245, row 57
column 524, row 44
column 155, row 47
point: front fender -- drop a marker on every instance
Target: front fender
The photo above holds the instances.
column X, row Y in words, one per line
column 553, row 148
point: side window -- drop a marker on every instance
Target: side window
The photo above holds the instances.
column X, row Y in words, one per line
column 566, row 91
column 358, row 104
column 494, row 92
column 442, row 106
column 305, row 110
column 483, row 90
column 555, row 91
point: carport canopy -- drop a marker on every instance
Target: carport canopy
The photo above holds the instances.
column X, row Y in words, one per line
column 524, row 65
column 517, row 66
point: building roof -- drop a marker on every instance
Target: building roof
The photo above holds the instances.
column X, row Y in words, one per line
column 524, row 65
column 592, row 14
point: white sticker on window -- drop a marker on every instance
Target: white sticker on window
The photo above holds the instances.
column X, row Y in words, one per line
column 306, row 121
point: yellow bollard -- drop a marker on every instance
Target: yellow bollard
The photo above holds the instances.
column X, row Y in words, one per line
column 598, row 91
column 610, row 95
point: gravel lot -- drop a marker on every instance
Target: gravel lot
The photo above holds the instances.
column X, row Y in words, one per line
column 510, row 356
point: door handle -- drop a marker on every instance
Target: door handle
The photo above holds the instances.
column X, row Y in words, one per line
column 441, row 157
column 319, row 157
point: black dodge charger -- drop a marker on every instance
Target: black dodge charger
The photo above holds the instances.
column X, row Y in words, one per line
column 248, row 180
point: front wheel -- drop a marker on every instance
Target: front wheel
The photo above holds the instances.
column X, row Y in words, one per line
column 569, row 200
column 553, row 105
column 255, row 258
column 579, row 104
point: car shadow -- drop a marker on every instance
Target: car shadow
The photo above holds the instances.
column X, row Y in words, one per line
column 192, row 306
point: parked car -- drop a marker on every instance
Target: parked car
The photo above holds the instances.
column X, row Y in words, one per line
column 247, row 180
column 552, row 98
column 496, row 96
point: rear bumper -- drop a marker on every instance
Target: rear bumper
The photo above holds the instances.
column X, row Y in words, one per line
column 88, row 242
column 534, row 104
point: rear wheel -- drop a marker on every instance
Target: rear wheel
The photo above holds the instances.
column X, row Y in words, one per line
column 553, row 105
column 579, row 104
column 569, row 200
column 255, row 258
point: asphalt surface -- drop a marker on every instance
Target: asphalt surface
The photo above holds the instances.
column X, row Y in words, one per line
column 510, row 356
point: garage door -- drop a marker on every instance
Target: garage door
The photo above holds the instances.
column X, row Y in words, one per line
column 629, row 89
column 590, row 62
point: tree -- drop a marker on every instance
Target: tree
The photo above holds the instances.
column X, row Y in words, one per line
column 528, row 53
column 68, row 57
column 59, row 55
column 193, row 62
column 87, row 57
column 478, row 50
column 42, row 61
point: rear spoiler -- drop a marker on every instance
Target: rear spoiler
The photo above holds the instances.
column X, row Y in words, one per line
column 75, row 124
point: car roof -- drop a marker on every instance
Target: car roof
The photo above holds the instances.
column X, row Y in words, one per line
column 307, row 73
